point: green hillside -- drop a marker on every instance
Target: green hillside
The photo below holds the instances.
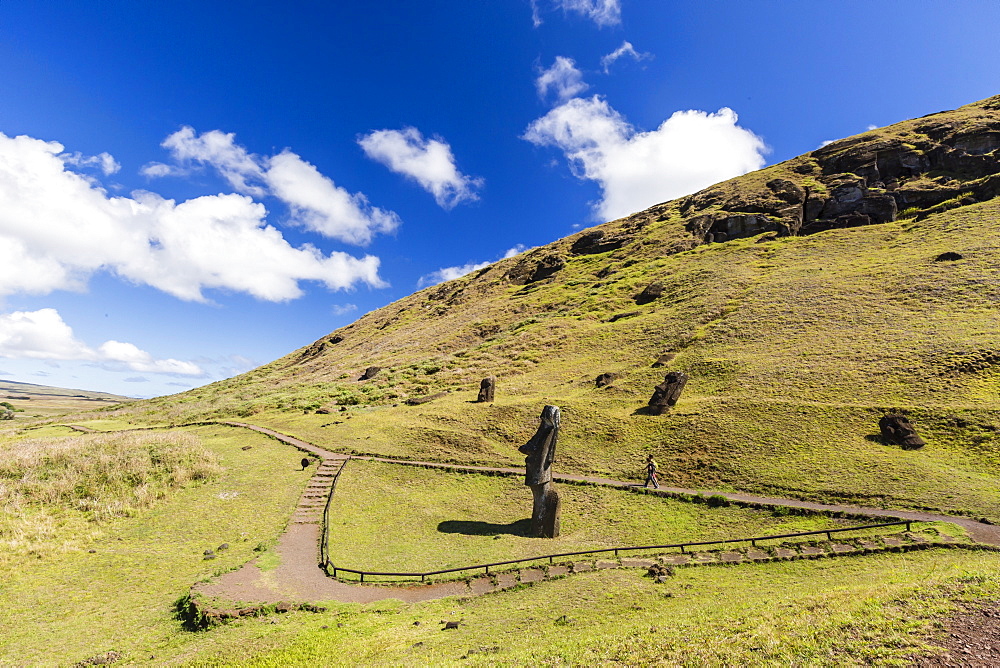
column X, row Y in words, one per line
column 804, row 300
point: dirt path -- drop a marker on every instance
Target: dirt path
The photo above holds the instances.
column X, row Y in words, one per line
column 300, row 578
column 982, row 533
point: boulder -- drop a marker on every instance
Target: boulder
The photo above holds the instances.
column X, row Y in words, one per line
column 667, row 393
column 664, row 360
column 651, row 293
column 950, row 256
column 416, row 401
column 370, row 373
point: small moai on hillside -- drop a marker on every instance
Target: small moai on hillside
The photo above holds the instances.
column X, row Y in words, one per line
column 541, row 452
column 487, row 388
column 898, row 430
column 667, row 393
column 370, row 372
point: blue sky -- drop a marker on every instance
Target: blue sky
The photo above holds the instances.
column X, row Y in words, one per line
column 190, row 189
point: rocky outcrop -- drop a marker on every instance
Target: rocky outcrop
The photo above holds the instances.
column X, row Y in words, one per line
column 920, row 167
column 532, row 269
column 599, row 241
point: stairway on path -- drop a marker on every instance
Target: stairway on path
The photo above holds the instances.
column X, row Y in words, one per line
column 313, row 500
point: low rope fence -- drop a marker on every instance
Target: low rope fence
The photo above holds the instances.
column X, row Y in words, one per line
column 332, row 569
column 324, row 540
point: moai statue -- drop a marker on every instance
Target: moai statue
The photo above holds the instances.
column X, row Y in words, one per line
column 667, row 393
column 487, row 388
column 897, row 429
column 541, row 452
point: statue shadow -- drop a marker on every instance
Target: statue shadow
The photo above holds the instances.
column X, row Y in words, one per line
column 881, row 440
column 474, row 528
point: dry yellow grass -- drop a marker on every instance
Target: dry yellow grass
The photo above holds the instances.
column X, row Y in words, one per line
column 54, row 492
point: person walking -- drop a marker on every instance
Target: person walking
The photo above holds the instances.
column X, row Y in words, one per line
column 651, row 473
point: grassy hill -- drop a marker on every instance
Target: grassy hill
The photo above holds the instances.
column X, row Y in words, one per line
column 35, row 401
column 804, row 300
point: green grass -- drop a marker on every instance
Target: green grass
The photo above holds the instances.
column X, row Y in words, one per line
column 62, row 606
column 402, row 518
column 874, row 610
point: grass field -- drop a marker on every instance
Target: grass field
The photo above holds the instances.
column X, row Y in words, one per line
column 849, row 611
column 62, row 603
column 402, row 518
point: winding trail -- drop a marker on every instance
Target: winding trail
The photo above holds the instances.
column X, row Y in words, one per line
column 299, row 577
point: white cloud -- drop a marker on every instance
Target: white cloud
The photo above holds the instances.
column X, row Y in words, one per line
column 343, row 309
column 429, row 162
column 155, row 170
column 57, row 228
column 626, row 49
column 601, row 12
column 102, row 161
column 536, row 17
column 220, row 150
column 563, row 78
column 315, row 201
column 44, row 335
column 689, row 151
column 323, row 207
column 451, row 273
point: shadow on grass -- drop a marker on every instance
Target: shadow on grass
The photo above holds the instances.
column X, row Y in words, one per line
column 472, row 528
column 878, row 438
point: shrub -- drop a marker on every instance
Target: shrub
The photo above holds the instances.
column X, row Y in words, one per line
column 717, row 501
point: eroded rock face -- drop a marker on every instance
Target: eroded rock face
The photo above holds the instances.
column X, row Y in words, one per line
column 598, row 241
column 926, row 165
column 532, row 268
column 667, row 393
column 898, row 430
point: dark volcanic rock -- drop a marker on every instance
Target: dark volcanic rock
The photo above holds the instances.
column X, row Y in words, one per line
column 370, row 373
column 597, row 241
column 667, row 393
column 950, row 256
column 652, row 292
column 606, row 379
column 416, row 401
column 532, row 268
column 621, row 316
column 664, row 359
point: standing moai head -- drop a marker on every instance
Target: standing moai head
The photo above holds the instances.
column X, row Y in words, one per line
column 541, row 449
column 487, row 388
column 898, row 430
column 667, row 393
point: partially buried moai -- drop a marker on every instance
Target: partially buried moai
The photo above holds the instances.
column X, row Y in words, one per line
column 667, row 393
column 487, row 388
column 541, row 452
column 898, row 430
